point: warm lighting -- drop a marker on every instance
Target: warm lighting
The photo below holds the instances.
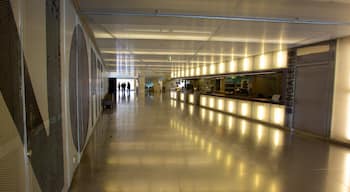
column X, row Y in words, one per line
column 281, row 59
column 246, row 63
column 191, row 109
column 202, row 143
column 203, row 101
column 198, row 71
column 220, row 104
column 229, row 122
column 233, row 66
column 204, row 70
column 196, row 139
column 218, row 154
column 231, row 107
column 182, row 96
column 192, row 72
column 228, row 160
column 241, row 169
column 203, row 112
column 220, row 119
column 222, row 68
column 182, row 73
column 244, row 109
column 262, row 62
column 212, row 68
column 209, row 149
column 257, row 180
column 259, row 132
column 278, row 115
column 261, row 112
column 277, row 138
column 182, row 106
column 191, row 98
column 211, row 116
column 243, row 127
column 211, row 102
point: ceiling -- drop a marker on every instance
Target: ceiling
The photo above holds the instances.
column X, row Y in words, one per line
column 151, row 36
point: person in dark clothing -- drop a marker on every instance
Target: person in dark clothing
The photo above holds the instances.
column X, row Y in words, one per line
column 123, row 87
column 128, row 86
column 118, row 87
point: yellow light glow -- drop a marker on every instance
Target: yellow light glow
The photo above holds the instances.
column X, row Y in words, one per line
column 257, row 180
column 212, row 68
column 182, row 73
column 222, row 68
column 220, row 104
column 243, row 127
column 246, row 63
column 198, row 71
column 182, row 96
column 211, row 116
column 192, row 72
column 229, row 122
column 202, row 143
column 218, row 154
column 241, row 169
column 220, row 119
column 261, row 112
column 262, row 62
column 182, row 106
column 191, row 98
column 233, row 66
column 244, row 109
column 229, row 160
column 260, row 133
column 203, row 112
column 278, row 116
column 203, row 100
column 231, row 106
column 204, row 70
column 211, row 102
column 196, row 139
column 191, row 109
column 210, row 147
column 277, row 138
column 281, row 59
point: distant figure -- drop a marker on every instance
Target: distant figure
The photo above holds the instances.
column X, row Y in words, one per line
column 128, row 86
column 123, row 86
column 118, row 87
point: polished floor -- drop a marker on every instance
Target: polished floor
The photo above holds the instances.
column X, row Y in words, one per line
column 155, row 144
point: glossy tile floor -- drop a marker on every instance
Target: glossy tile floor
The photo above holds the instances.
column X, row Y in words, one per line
column 155, row 144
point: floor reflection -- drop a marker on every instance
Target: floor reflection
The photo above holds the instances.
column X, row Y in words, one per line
column 157, row 144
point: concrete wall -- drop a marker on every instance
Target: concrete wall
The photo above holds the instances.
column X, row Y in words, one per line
column 52, row 80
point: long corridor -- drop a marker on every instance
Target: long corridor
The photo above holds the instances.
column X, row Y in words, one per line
column 155, row 144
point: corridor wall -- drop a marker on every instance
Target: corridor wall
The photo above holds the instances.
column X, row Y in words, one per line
column 52, row 80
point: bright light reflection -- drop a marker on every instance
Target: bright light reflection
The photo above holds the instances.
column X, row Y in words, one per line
column 222, row 68
column 230, row 122
column 241, row 169
column 246, row 64
column 229, row 160
column 191, row 109
column 182, row 106
column 262, row 62
column 277, row 138
column 212, row 68
column 281, row 59
column 257, row 180
column 278, row 116
column 243, row 127
column 233, row 66
column 203, row 112
column 261, row 112
column 211, row 116
column 218, row 154
column 211, row 102
column 231, row 106
column 191, row 98
column 210, row 147
column 244, row 109
column 204, row 70
column 203, row 101
column 260, row 132
column 220, row 119
column 220, row 106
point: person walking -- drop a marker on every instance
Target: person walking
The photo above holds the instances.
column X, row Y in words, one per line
column 128, row 86
column 123, row 86
column 119, row 87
